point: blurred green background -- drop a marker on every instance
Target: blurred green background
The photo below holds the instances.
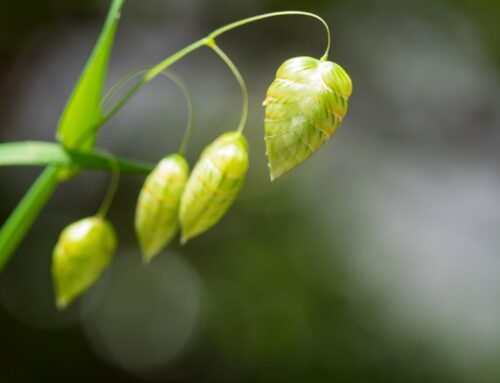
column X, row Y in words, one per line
column 378, row 260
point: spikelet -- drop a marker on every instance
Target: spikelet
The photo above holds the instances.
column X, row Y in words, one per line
column 304, row 106
column 157, row 212
column 84, row 250
column 214, row 184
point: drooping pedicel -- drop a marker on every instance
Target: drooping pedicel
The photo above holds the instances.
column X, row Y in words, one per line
column 304, row 106
column 157, row 212
column 84, row 250
column 214, row 184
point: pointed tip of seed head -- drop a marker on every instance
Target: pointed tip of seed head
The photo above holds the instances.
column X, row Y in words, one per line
column 272, row 175
column 147, row 253
column 61, row 304
column 146, row 259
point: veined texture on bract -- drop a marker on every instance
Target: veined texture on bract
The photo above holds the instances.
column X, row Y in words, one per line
column 157, row 213
column 84, row 250
column 304, row 106
column 214, row 184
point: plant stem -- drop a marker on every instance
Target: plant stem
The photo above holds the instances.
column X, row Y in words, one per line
column 156, row 70
column 239, row 23
column 113, row 185
column 177, row 80
column 27, row 210
column 40, row 153
column 241, row 82
column 121, row 83
column 189, row 101
column 150, row 75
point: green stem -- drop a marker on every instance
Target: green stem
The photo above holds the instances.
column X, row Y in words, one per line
column 148, row 76
column 121, row 83
column 180, row 84
column 156, row 70
column 239, row 23
column 40, row 153
column 25, row 213
column 21, row 219
column 113, row 185
column 189, row 101
column 241, row 82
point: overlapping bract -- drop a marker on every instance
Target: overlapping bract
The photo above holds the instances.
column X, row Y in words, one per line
column 84, row 250
column 214, row 184
column 157, row 212
column 304, row 105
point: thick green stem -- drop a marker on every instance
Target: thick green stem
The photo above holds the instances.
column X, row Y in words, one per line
column 239, row 78
column 27, row 210
column 40, row 153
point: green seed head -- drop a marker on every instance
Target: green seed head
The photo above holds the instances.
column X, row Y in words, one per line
column 304, row 105
column 214, row 184
column 157, row 212
column 83, row 251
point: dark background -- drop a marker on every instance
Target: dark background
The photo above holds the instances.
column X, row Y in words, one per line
column 378, row 260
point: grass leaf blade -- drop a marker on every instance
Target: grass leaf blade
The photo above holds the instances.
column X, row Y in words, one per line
column 83, row 108
column 37, row 153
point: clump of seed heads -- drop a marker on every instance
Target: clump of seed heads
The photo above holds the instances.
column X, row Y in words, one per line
column 305, row 104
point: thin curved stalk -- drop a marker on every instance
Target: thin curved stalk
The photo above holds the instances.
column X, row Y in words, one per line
column 248, row 20
column 121, row 83
column 113, row 185
column 239, row 78
column 150, row 75
column 156, row 70
column 180, row 84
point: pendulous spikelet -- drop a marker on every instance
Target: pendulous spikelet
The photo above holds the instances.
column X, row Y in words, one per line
column 84, row 250
column 214, row 184
column 304, row 106
column 157, row 212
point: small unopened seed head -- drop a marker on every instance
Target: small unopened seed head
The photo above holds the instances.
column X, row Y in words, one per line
column 304, row 106
column 157, row 212
column 214, row 184
column 84, row 250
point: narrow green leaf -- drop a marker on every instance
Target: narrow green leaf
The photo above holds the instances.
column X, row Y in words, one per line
column 26, row 212
column 82, row 111
column 47, row 153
